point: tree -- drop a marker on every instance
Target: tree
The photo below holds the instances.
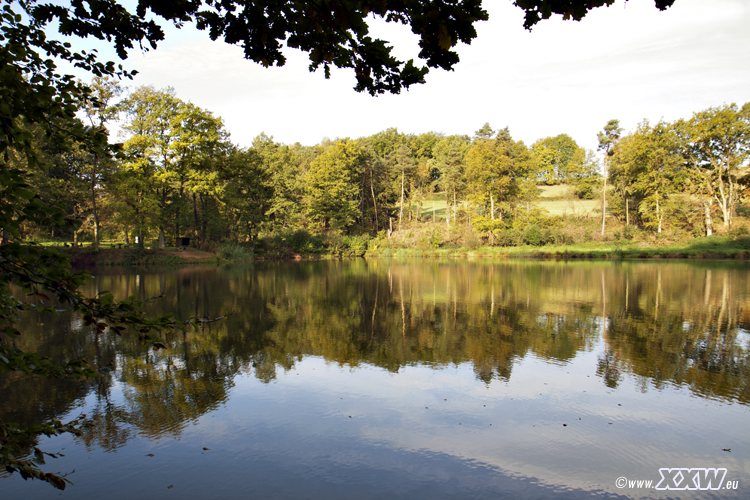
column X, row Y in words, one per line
column 282, row 166
column 99, row 111
column 607, row 141
column 716, row 147
column 333, row 192
column 536, row 10
column 583, row 173
column 333, row 34
column 553, row 156
column 199, row 135
column 648, row 171
column 449, row 155
column 402, row 163
column 495, row 172
column 248, row 192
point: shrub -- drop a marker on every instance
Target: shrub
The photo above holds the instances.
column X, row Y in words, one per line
column 533, row 235
column 357, row 245
column 508, row 238
column 738, row 231
column 234, row 252
column 298, row 240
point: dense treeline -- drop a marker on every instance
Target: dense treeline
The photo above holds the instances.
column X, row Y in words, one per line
column 177, row 174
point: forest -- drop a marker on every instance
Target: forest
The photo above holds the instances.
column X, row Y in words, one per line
column 172, row 171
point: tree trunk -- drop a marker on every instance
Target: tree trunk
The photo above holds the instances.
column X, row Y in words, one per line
column 627, row 211
column 93, row 202
column 161, row 238
column 401, row 210
column 447, row 209
column 658, row 212
column 604, row 198
column 204, row 221
column 455, row 205
column 178, row 211
column 707, row 210
column 374, row 203
column 492, row 216
column 195, row 216
column 723, row 204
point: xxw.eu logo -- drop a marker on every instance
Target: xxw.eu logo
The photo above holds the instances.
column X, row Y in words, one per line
column 691, row 479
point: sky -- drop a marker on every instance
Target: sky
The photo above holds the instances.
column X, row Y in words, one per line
column 629, row 62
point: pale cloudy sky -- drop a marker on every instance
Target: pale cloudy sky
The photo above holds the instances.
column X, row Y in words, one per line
column 629, row 61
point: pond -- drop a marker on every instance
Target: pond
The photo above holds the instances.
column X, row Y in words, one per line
column 407, row 379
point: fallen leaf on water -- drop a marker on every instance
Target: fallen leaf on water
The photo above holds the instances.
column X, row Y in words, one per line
column 726, row 449
column 149, row 454
column 206, row 448
column 170, row 486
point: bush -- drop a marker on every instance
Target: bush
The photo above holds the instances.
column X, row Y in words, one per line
column 585, row 190
column 298, row 240
column 533, row 235
column 508, row 238
column 234, row 252
column 357, row 245
column 738, row 231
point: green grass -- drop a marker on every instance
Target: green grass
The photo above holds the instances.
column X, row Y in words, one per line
column 556, row 200
column 715, row 247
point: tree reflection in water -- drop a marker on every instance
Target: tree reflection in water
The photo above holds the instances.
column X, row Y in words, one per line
column 681, row 324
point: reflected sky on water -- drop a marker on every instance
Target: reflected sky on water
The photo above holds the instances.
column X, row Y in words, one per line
column 406, row 379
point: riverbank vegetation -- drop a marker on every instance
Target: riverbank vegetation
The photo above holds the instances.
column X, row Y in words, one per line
column 178, row 180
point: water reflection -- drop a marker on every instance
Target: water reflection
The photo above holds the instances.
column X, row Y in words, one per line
column 656, row 325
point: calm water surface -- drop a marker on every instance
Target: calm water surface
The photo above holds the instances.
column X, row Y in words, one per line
column 405, row 379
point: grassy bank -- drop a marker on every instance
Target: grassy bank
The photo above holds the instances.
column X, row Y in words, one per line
column 719, row 247
column 420, row 240
column 87, row 257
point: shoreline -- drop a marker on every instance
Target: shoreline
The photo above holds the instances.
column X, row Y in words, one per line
column 111, row 257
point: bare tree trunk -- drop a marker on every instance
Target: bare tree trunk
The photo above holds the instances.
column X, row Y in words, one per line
column 627, row 211
column 374, row 203
column 93, row 202
column 204, row 221
column 604, row 198
column 492, row 216
column 723, row 204
column 707, row 210
column 455, row 205
column 178, row 211
column 401, row 210
column 447, row 209
column 658, row 212
column 195, row 216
